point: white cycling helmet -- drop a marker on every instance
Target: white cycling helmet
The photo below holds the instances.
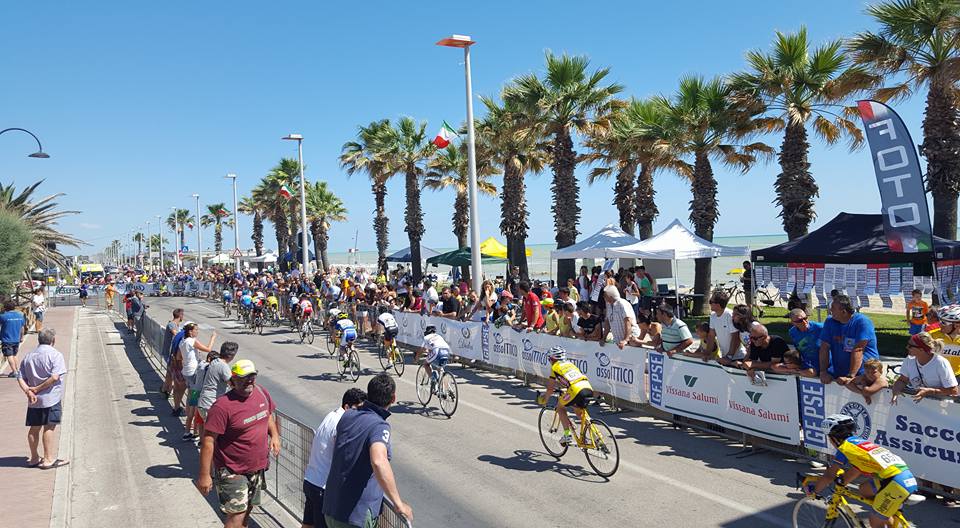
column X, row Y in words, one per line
column 949, row 313
column 334, row 311
column 838, row 426
column 557, row 353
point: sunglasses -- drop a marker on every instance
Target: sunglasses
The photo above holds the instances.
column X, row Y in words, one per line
column 756, row 338
column 799, row 320
column 246, row 380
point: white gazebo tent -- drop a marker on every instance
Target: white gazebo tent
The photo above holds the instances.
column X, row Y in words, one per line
column 266, row 258
column 597, row 245
column 222, row 258
column 674, row 243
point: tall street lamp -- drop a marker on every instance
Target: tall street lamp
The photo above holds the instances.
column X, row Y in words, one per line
column 39, row 153
column 176, row 240
column 149, row 259
column 463, row 41
column 236, row 221
column 160, row 242
column 199, row 235
column 303, row 201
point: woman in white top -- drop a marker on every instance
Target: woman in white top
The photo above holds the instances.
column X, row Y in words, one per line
column 189, row 351
column 925, row 371
column 39, row 306
column 483, row 308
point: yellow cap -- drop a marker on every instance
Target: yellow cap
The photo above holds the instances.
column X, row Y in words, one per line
column 243, row 368
column 547, row 302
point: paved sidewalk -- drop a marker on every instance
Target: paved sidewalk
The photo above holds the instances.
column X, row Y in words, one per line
column 26, row 494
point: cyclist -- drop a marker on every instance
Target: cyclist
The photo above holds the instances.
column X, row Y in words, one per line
column 306, row 307
column 892, row 480
column 332, row 314
column 293, row 304
column 257, row 302
column 227, row 296
column 273, row 303
column 348, row 333
column 390, row 327
column 576, row 386
column 436, row 349
column 246, row 302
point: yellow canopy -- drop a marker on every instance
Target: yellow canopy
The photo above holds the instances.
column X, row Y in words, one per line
column 491, row 248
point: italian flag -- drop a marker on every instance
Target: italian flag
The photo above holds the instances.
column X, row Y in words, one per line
column 285, row 192
column 444, row 137
column 223, row 212
column 190, row 225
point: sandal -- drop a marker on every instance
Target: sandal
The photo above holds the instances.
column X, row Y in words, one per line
column 56, row 463
column 35, row 464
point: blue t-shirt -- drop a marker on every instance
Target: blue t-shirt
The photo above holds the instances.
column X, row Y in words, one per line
column 842, row 339
column 352, row 492
column 808, row 344
column 11, row 326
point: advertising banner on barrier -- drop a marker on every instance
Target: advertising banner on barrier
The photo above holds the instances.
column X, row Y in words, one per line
column 926, row 434
column 712, row 393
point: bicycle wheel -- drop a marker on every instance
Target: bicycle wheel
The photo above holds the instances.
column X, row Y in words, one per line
column 331, row 343
column 739, row 297
column 603, row 455
column 398, row 364
column 423, row 386
column 303, row 333
column 384, row 355
column 310, row 335
column 260, row 326
column 551, row 430
column 341, row 360
column 448, row 394
column 812, row 513
column 226, row 310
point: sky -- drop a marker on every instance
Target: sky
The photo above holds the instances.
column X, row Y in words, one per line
column 140, row 105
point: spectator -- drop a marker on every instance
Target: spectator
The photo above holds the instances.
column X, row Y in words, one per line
column 917, row 310
column 648, row 328
column 589, row 323
column 924, row 371
column 216, row 378
column 235, row 450
column 648, row 289
column 532, row 318
column 360, row 473
column 949, row 332
column 39, row 306
column 321, row 457
column 564, row 296
column 430, row 296
column 870, row 382
column 847, row 341
column 805, row 335
column 416, row 303
column 765, row 350
column 793, row 364
column 173, row 328
column 621, row 320
column 41, row 379
column 674, row 334
column 723, row 333
column 566, row 313
column 551, row 318
column 747, row 280
column 505, row 312
column 189, row 351
column 137, row 309
column 583, row 284
column 933, row 320
column 743, row 320
column 451, row 305
column 483, row 309
column 706, row 350
column 573, row 292
column 13, row 328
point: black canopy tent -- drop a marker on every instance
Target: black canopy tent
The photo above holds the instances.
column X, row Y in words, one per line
column 853, row 239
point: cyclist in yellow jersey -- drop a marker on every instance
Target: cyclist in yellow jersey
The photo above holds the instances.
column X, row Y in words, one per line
column 892, row 481
column 577, row 389
column 272, row 300
column 949, row 332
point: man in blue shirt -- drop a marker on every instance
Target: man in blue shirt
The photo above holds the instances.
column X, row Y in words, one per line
column 12, row 324
column 360, row 474
column 846, row 343
column 805, row 335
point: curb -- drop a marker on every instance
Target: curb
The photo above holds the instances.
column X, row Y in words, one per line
column 63, row 485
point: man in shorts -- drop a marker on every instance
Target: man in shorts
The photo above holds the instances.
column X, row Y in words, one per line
column 13, row 326
column 41, row 379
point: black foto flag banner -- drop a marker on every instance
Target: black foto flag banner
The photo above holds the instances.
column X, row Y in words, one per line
column 906, row 220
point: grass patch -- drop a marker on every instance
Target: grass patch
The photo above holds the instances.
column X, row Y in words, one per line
column 892, row 329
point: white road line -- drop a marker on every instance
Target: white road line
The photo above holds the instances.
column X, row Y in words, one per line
column 718, row 499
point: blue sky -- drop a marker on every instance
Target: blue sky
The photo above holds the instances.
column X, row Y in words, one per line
column 143, row 104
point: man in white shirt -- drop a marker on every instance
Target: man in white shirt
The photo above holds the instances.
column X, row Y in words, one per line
column 620, row 319
column 321, row 457
column 723, row 334
column 430, row 296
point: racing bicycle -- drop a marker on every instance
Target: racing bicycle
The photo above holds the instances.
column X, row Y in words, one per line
column 390, row 355
column 227, row 305
column 348, row 362
column 594, row 437
column 256, row 322
column 440, row 383
column 333, row 341
column 835, row 510
column 306, row 330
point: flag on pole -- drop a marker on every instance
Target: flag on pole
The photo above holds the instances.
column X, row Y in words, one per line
column 445, row 136
column 285, row 192
column 223, row 212
column 190, row 225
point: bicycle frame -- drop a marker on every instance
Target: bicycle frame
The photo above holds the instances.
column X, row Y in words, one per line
column 841, row 497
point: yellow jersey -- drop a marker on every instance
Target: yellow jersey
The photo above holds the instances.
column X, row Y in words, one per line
column 951, row 349
column 569, row 377
column 272, row 301
column 869, row 458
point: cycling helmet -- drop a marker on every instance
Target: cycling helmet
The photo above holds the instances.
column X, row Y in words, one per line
column 343, row 315
column 838, row 426
column 429, row 330
column 949, row 313
column 557, row 353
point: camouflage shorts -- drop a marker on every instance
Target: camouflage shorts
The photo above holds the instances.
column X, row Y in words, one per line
column 238, row 493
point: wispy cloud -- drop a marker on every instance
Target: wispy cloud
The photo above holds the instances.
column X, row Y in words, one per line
column 90, row 226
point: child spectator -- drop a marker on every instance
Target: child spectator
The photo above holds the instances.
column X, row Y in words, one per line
column 917, row 310
column 793, row 364
column 871, row 381
column 933, row 319
column 706, row 350
column 648, row 328
column 552, row 318
column 566, row 320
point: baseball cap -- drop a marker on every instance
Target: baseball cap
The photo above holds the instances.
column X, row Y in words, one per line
column 547, row 302
column 243, row 368
column 506, row 294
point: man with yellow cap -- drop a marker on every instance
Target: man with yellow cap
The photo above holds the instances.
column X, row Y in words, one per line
column 234, row 452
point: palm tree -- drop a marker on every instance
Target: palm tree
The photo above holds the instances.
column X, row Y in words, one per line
column 705, row 119
column 248, row 205
column 178, row 221
column 139, row 238
column 156, row 243
column 567, row 100
column 361, row 155
column 41, row 217
column 449, row 170
column 918, row 45
column 403, row 149
column 612, row 148
column 276, row 208
column 506, row 137
column 323, row 207
column 796, row 88
column 217, row 215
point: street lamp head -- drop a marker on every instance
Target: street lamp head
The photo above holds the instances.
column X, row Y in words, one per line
column 294, row 137
column 195, row 195
column 231, row 176
column 41, row 154
column 456, row 41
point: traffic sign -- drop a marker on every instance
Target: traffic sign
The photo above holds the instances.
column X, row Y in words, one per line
column 184, row 249
column 237, row 253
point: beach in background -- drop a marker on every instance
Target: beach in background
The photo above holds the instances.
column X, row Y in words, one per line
column 541, row 267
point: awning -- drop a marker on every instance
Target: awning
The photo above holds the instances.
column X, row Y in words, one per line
column 461, row 257
column 404, row 254
column 492, row 248
column 677, row 242
column 597, row 245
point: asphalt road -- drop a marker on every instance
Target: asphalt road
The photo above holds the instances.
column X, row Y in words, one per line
column 485, row 466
